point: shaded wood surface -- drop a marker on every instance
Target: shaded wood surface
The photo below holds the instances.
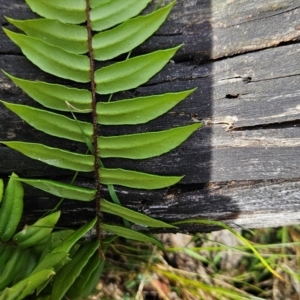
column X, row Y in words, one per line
column 243, row 166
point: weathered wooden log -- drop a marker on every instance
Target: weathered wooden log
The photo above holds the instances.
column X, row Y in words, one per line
column 243, row 166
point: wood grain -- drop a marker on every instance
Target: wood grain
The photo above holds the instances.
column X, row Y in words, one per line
column 208, row 28
column 242, row 167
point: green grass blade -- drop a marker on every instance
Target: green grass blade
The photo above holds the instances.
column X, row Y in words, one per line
column 68, row 274
column 5, row 256
column 52, row 59
column 12, row 268
column 135, row 179
column 196, row 255
column 69, row 242
column 4, row 295
column 24, row 266
column 71, row 38
column 52, row 123
column 89, row 287
column 127, row 36
column 131, row 234
column 144, row 145
column 50, row 261
column 241, row 238
column 131, row 215
column 1, row 189
column 54, row 240
column 132, row 72
column 115, row 199
column 86, row 282
column 60, row 189
column 218, row 292
column 67, row 11
column 55, row 96
column 26, row 287
column 54, row 156
column 106, row 14
column 11, row 208
column 2, row 249
column 138, row 110
column 34, row 233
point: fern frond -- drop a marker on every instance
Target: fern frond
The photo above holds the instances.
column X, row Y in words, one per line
column 74, row 40
column 32, row 256
column 53, row 45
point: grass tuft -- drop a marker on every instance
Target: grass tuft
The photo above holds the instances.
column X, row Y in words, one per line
column 216, row 266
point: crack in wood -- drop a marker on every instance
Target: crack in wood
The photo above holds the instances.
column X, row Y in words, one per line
column 268, row 8
column 278, row 77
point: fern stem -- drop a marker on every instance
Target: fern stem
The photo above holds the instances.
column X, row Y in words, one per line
column 95, row 127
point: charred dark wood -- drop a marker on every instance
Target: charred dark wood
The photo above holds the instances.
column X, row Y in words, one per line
column 243, row 166
column 232, row 27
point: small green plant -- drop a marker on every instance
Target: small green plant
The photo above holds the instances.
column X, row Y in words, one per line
column 31, row 257
column 203, row 267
